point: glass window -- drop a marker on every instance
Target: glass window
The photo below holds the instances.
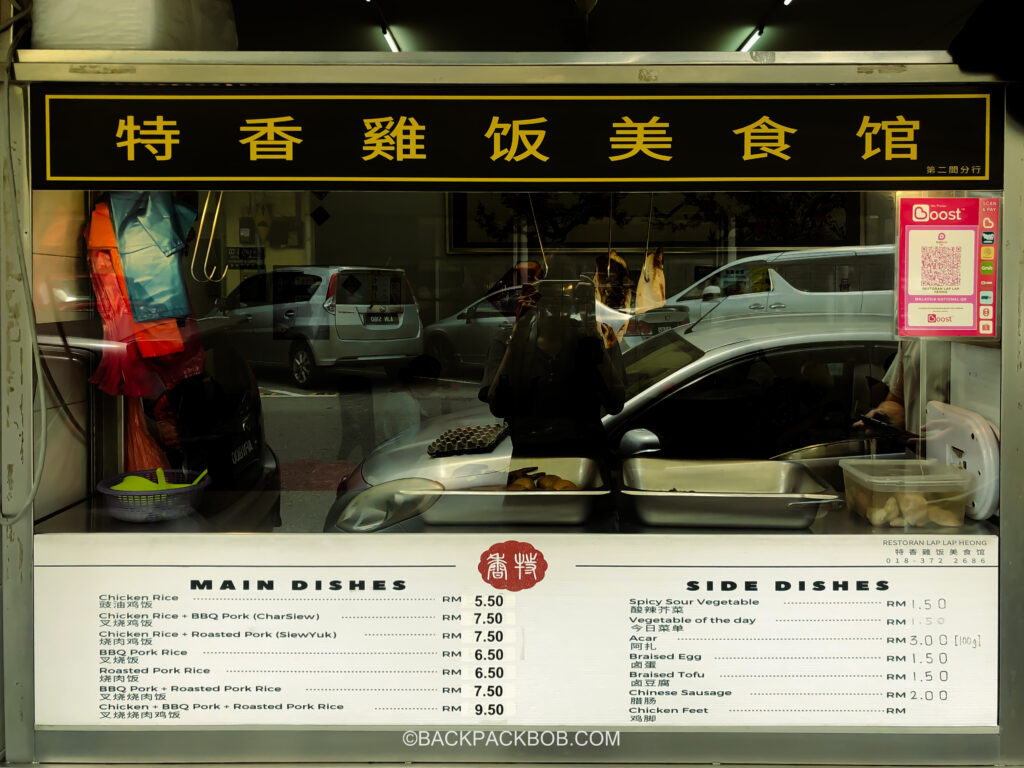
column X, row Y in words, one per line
column 485, row 308
column 290, row 287
column 657, row 359
column 451, row 316
column 750, row 278
column 874, row 272
column 731, row 280
column 841, row 272
column 502, row 303
column 357, row 288
column 766, row 403
column 815, row 276
column 252, row 292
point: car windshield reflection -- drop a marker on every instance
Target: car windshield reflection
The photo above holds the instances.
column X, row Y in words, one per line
column 657, row 359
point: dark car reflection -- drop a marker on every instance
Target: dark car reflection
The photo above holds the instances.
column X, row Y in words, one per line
column 212, row 421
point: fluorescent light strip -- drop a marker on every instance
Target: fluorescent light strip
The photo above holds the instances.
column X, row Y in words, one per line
column 392, row 43
column 753, row 38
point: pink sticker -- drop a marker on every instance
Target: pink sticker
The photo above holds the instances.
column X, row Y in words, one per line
column 947, row 270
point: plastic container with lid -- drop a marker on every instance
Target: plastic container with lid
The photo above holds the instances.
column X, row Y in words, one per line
column 907, row 492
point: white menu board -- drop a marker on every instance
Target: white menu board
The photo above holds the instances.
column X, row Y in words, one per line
column 540, row 630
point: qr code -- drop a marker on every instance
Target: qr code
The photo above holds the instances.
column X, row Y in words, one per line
column 940, row 266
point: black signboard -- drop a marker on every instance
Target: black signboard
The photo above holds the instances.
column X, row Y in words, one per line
column 474, row 138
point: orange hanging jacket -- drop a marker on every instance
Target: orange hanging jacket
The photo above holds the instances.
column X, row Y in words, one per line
column 153, row 338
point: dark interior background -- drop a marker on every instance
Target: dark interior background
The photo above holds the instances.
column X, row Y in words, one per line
column 610, row 25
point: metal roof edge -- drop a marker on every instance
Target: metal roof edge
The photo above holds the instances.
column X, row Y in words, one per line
column 483, row 68
column 483, row 58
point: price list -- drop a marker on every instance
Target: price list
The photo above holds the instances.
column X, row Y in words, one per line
column 863, row 633
column 358, row 658
column 865, row 660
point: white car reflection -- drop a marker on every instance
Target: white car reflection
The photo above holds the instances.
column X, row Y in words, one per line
column 841, row 281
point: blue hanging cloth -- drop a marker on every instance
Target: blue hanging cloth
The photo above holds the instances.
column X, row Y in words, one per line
column 151, row 230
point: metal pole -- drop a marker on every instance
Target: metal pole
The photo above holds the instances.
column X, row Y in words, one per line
column 1011, row 426
column 18, row 449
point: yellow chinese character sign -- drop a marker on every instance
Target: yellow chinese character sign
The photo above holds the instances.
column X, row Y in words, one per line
column 681, row 138
column 271, row 138
column 631, row 138
column 394, row 140
column 764, row 137
column 530, row 139
column 158, row 136
column 899, row 137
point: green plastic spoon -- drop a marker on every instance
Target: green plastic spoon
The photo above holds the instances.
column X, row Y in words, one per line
column 137, row 483
column 163, row 485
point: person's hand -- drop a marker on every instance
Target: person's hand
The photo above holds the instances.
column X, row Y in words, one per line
column 527, row 300
column 859, row 423
column 889, row 411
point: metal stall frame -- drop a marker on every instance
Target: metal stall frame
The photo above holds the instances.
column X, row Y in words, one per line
column 876, row 746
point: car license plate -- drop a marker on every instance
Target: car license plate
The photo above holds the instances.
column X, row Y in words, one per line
column 382, row 318
column 242, row 452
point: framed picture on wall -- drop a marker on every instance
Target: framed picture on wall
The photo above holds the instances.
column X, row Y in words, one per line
column 482, row 222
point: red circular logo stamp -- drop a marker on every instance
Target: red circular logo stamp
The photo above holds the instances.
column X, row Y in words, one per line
column 512, row 565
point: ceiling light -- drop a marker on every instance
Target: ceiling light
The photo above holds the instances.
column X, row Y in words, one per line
column 784, row 2
column 385, row 29
column 753, row 38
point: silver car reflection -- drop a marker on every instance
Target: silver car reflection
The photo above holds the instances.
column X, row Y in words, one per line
column 826, row 280
column 463, row 339
column 739, row 387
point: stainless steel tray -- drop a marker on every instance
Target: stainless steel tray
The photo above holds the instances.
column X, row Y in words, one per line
column 823, row 459
column 726, row 494
column 492, row 504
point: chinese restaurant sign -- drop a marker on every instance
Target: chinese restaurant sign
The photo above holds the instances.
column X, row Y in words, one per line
column 654, row 137
column 948, row 257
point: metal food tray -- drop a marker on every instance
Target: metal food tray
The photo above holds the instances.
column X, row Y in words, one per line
column 495, row 505
column 823, row 459
column 726, row 494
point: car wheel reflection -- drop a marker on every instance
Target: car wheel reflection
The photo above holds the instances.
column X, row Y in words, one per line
column 441, row 350
column 302, row 365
